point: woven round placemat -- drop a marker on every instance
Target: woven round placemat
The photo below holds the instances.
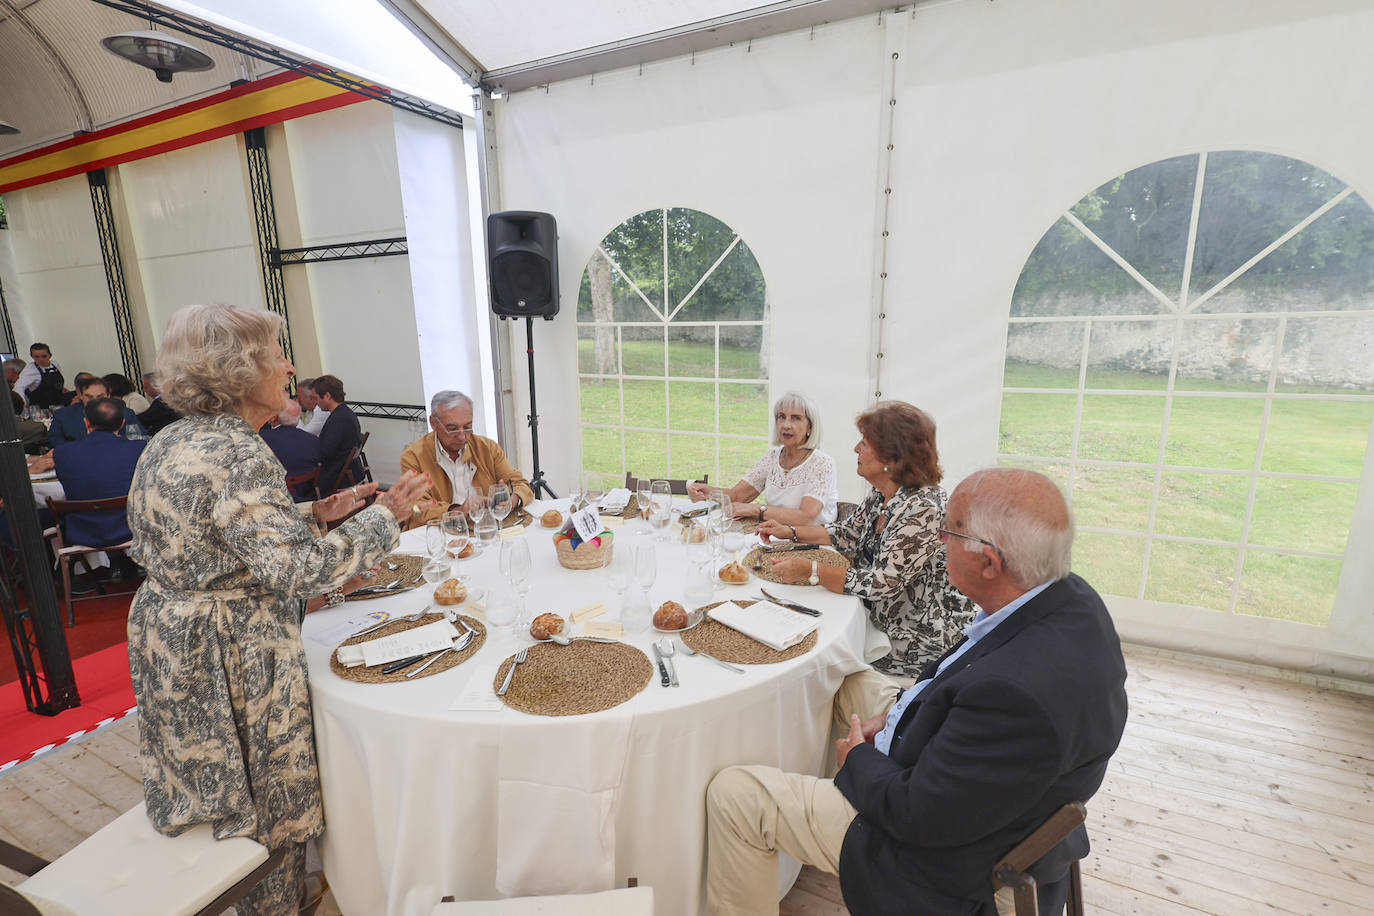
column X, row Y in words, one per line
column 365, row 675
column 407, row 569
column 571, row 680
column 520, row 517
column 733, row 646
column 821, row 555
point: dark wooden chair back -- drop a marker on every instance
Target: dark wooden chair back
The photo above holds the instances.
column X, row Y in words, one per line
column 678, row 487
column 305, row 485
column 1013, row 870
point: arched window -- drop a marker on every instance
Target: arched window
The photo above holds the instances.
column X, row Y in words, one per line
column 672, row 349
column 1190, row 355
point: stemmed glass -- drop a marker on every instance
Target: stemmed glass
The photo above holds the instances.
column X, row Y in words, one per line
column 515, row 564
column 661, row 498
column 593, row 487
column 500, row 502
column 617, row 574
column 642, row 499
column 486, row 530
column 646, row 566
column 436, row 541
column 456, row 529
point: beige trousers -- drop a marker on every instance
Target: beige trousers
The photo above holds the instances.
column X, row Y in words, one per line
column 754, row 811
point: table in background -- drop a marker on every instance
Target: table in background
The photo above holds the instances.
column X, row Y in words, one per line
column 421, row 801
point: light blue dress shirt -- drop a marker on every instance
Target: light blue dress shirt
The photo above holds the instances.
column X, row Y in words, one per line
column 981, row 626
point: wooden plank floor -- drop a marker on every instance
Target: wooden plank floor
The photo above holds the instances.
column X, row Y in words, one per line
column 1231, row 794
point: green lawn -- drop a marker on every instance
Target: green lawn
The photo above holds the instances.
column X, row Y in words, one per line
column 1219, row 433
column 1304, row 437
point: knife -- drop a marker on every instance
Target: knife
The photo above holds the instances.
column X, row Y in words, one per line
column 792, row 605
column 662, row 668
column 404, row 663
column 783, row 548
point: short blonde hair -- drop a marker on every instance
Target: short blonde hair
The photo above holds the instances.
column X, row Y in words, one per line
column 808, row 409
column 213, row 356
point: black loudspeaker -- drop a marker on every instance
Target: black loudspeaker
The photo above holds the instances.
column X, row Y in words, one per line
column 522, row 260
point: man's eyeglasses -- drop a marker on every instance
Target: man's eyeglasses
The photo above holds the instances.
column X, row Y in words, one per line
column 969, row 537
column 455, row 430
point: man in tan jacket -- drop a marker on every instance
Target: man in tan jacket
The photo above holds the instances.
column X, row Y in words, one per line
column 463, row 466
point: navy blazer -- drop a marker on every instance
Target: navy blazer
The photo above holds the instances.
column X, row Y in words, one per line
column 1022, row 724
column 97, row 467
column 158, row 416
column 296, row 449
column 69, row 424
column 339, row 434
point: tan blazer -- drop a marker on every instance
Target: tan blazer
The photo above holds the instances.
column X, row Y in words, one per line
column 481, row 452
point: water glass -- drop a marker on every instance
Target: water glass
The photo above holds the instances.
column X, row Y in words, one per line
column 487, row 530
column 643, row 496
column 646, row 565
column 500, row 608
column 617, row 572
column 435, row 539
column 635, row 616
column 699, row 584
column 661, row 515
column 516, row 563
column 456, row 529
column 593, row 487
column 436, row 571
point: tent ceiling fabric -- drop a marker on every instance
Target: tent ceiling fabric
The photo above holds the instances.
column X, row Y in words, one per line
column 516, row 45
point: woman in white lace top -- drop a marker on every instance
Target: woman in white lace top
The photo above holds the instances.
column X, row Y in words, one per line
column 797, row 479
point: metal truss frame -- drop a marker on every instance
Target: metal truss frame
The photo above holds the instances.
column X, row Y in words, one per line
column 114, row 272
column 214, row 35
column 340, row 251
column 383, row 411
column 265, row 220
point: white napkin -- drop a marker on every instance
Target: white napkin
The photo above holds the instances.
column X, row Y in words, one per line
column 618, row 498
column 432, row 637
column 775, row 627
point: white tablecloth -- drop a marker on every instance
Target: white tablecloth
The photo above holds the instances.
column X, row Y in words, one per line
column 422, row 802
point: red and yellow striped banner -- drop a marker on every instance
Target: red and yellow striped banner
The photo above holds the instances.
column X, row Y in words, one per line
column 266, row 101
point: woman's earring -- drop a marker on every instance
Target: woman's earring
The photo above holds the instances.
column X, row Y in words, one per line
column 886, row 469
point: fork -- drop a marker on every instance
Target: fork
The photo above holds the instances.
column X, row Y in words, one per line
column 505, row 685
column 459, row 644
column 688, row 650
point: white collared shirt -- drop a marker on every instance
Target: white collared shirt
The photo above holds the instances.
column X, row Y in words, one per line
column 459, row 474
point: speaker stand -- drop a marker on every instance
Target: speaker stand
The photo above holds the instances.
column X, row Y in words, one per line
column 537, row 482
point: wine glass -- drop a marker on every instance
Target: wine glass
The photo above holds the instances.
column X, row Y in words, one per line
column 500, row 501
column 617, row 574
column 661, row 499
column 435, row 539
column 646, row 565
column 642, row 499
column 456, row 531
column 518, row 571
column 593, row 487
column 480, row 511
column 486, row 530
column 436, row 571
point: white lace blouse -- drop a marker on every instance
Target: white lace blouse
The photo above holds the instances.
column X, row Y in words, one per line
column 814, row 477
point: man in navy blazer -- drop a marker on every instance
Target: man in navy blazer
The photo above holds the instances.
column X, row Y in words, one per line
column 69, row 423
column 99, row 466
column 942, row 779
column 296, row 449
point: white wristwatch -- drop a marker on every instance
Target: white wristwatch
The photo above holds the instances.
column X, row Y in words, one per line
column 815, row 578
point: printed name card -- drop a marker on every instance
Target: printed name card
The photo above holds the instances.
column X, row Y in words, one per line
column 611, row 521
column 514, row 531
column 432, row 637
column 587, row 522
column 595, row 609
column 604, row 629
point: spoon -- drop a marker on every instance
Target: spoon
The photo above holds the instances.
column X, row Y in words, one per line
column 665, row 648
column 688, row 650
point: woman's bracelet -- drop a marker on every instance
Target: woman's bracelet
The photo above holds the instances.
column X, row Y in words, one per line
column 794, row 532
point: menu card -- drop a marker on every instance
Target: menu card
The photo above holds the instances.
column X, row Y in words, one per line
column 774, row 626
column 432, row 637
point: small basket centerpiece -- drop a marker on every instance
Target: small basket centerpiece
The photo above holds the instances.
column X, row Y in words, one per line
column 575, row 553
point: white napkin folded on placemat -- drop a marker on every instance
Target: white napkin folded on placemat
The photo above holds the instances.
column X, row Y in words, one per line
column 775, row 627
column 618, row 498
column 432, row 637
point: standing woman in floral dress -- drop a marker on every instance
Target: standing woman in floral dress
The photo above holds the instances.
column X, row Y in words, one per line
column 232, row 564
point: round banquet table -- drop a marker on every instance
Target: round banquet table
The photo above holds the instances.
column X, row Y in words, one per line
column 423, row 800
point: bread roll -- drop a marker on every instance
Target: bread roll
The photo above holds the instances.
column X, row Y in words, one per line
column 462, row 554
column 670, row 616
column 733, row 572
column 451, row 591
column 551, row 519
column 546, row 625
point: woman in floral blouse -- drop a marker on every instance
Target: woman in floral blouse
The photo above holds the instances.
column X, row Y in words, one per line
column 226, row 735
column 898, row 561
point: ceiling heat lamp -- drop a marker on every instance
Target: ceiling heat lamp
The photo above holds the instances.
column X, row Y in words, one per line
column 161, row 53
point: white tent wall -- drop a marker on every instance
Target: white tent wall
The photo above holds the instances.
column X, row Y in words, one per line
column 57, row 292
column 1005, row 114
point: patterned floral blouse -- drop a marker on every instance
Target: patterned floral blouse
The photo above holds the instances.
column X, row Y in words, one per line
column 899, row 573
column 214, row 633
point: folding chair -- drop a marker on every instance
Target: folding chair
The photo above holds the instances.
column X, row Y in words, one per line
column 77, row 553
column 346, row 476
column 678, row 487
column 129, row 869
column 1014, row 869
column 295, row 482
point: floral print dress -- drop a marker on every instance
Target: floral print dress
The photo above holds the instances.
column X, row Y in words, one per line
column 899, row 573
column 214, row 633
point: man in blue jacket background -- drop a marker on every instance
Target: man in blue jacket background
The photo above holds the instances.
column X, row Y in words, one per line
column 99, row 466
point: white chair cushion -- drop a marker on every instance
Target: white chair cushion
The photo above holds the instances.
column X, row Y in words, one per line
column 625, row 901
column 129, row 869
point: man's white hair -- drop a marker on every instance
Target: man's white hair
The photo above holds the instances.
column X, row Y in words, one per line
column 1031, row 526
column 446, row 399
